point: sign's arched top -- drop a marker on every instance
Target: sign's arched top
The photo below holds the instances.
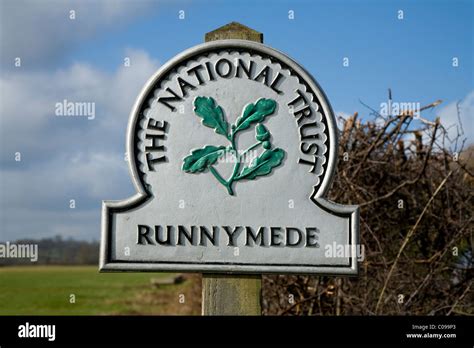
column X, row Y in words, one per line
column 213, row 63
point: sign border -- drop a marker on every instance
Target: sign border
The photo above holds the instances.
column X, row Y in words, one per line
column 106, row 264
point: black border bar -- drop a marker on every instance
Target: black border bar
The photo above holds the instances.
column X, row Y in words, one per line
column 172, row 330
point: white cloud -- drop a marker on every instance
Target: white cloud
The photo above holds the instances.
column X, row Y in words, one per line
column 99, row 174
column 29, row 98
column 65, row 158
column 41, row 31
column 450, row 119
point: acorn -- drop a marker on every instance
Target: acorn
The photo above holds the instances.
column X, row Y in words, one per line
column 261, row 133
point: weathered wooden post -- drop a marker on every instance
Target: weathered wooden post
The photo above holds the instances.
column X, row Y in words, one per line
column 232, row 147
column 232, row 294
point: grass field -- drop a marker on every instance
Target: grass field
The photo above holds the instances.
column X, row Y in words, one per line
column 48, row 290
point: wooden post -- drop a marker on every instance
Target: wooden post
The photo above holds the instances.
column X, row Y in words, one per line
column 232, row 294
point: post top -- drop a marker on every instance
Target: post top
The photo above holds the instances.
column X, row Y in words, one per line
column 234, row 30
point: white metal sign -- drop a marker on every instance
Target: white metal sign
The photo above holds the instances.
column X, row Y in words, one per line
column 232, row 147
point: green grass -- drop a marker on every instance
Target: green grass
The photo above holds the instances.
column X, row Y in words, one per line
column 46, row 290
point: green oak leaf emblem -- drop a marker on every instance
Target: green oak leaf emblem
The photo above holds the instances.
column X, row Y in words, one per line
column 200, row 159
column 263, row 164
column 212, row 116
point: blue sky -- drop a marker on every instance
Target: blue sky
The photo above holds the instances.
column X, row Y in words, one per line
column 82, row 60
column 413, row 56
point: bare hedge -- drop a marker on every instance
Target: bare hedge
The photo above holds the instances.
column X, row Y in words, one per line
column 415, row 188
